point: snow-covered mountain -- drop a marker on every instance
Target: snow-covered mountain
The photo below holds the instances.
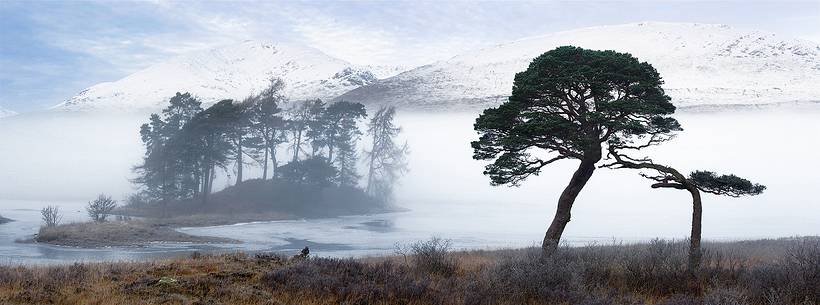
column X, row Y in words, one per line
column 6, row 113
column 230, row 72
column 702, row 64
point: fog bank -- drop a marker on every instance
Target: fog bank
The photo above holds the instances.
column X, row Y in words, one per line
column 62, row 157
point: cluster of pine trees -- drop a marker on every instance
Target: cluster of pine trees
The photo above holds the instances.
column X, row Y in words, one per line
column 187, row 146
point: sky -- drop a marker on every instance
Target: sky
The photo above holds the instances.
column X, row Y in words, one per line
column 51, row 50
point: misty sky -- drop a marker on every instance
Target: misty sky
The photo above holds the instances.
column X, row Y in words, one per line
column 50, row 50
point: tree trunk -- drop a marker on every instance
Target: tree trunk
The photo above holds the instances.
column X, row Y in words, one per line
column 297, row 141
column 265, row 166
column 330, row 145
column 211, row 179
column 274, row 163
column 567, row 199
column 694, row 240
column 371, row 162
column 205, row 174
column 239, row 161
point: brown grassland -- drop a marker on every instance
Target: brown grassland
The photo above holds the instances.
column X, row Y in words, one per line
column 780, row 271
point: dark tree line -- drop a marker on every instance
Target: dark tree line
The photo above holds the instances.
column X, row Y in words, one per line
column 188, row 146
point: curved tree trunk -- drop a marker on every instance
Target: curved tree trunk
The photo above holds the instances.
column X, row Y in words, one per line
column 678, row 181
column 694, row 239
column 567, row 199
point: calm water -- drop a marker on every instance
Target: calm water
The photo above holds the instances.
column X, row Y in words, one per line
column 445, row 193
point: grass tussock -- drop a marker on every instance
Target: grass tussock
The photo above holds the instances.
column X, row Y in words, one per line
column 115, row 234
column 766, row 272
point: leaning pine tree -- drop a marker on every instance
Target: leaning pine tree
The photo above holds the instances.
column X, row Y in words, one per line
column 665, row 176
column 567, row 105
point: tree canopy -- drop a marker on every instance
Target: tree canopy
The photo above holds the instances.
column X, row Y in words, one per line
column 568, row 102
column 727, row 185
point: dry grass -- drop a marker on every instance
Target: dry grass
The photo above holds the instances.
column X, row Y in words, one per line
column 116, row 234
column 766, row 272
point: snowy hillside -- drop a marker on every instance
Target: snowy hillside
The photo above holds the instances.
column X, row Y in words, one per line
column 230, row 72
column 6, row 113
column 702, row 64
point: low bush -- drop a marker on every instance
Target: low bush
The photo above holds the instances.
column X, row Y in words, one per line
column 346, row 281
column 433, row 257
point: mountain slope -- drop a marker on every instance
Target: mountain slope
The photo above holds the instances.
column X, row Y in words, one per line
column 229, row 72
column 702, row 64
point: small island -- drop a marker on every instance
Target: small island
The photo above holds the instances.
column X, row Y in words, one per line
column 187, row 148
column 132, row 233
column 4, row 220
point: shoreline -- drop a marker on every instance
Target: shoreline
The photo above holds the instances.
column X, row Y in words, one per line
column 142, row 232
column 117, row 234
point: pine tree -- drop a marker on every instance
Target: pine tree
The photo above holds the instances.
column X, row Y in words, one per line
column 567, row 105
column 208, row 136
column 268, row 123
column 386, row 160
column 301, row 116
column 160, row 174
column 342, row 133
column 665, row 176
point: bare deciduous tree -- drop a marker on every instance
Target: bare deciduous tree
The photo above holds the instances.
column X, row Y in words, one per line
column 100, row 208
column 51, row 216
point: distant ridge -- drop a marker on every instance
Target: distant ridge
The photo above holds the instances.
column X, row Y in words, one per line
column 702, row 64
column 235, row 72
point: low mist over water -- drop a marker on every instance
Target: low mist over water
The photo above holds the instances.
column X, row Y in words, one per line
column 57, row 158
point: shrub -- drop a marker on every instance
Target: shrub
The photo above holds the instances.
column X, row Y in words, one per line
column 791, row 280
column 725, row 296
column 312, row 171
column 351, row 281
column 100, row 208
column 433, row 257
column 51, row 216
column 557, row 278
column 658, row 268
